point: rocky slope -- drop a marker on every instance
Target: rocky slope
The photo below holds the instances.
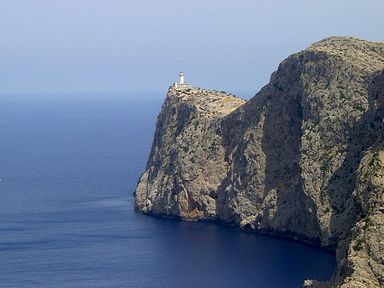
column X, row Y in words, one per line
column 186, row 165
column 303, row 158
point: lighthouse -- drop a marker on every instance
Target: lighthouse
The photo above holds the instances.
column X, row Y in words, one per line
column 182, row 84
column 181, row 77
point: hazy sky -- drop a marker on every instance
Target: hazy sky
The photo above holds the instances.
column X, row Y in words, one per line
column 135, row 45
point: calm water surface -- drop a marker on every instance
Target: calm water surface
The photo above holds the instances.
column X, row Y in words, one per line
column 68, row 167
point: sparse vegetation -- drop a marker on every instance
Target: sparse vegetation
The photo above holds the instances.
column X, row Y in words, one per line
column 367, row 223
column 359, row 245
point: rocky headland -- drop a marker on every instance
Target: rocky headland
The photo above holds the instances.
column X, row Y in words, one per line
column 304, row 158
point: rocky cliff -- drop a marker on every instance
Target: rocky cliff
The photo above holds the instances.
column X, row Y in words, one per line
column 304, row 158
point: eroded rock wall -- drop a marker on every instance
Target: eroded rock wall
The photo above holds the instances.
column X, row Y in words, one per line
column 303, row 158
column 186, row 165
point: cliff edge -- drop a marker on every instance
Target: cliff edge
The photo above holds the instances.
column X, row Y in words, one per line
column 186, row 165
column 304, row 158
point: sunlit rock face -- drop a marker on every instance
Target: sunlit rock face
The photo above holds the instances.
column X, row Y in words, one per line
column 187, row 162
column 303, row 158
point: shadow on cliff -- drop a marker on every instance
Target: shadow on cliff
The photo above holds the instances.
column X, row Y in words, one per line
column 346, row 210
column 277, row 112
column 286, row 208
column 293, row 213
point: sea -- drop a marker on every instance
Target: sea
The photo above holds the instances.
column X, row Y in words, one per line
column 69, row 164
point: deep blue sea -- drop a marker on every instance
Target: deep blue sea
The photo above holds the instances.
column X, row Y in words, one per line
column 68, row 167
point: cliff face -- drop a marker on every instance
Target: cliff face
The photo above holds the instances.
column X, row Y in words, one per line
column 303, row 158
column 186, row 165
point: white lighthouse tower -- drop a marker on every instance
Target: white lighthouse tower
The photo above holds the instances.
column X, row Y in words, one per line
column 182, row 84
column 181, row 77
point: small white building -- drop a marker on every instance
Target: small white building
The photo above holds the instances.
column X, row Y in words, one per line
column 182, row 84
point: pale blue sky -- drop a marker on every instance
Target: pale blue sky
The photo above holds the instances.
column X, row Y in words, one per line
column 140, row 45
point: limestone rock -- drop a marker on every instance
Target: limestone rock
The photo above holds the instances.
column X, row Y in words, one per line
column 303, row 158
column 186, row 165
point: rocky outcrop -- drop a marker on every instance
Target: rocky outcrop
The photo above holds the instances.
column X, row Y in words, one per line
column 186, row 166
column 303, row 158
